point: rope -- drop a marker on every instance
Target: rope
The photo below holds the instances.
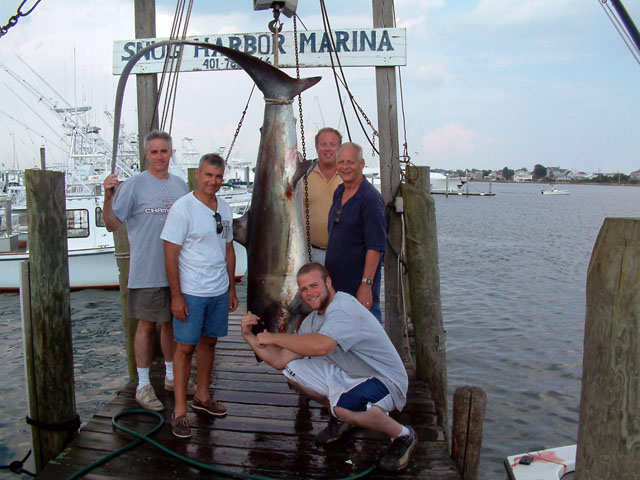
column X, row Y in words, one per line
column 402, row 274
column 354, row 104
column 73, row 424
column 617, row 24
column 145, row 438
column 17, row 466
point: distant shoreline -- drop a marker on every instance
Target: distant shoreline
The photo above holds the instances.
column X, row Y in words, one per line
column 603, row 184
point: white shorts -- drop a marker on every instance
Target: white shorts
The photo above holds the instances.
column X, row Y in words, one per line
column 323, row 377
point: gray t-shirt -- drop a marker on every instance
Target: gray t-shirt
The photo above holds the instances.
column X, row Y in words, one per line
column 364, row 349
column 143, row 201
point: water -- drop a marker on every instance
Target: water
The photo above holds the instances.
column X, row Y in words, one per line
column 513, row 274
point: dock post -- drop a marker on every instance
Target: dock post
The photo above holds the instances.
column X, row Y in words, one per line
column 130, row 325
column 390, row 175
column 46, row 319
column 424, row 290
column 469, row 406
column 609, row 427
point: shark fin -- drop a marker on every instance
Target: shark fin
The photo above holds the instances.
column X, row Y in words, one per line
column 240, row 229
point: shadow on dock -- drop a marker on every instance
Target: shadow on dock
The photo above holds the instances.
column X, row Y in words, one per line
column 268, row 431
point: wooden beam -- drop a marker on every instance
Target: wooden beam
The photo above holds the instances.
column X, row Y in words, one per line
column 48, row 324
column 389, row 176
column 609, row 427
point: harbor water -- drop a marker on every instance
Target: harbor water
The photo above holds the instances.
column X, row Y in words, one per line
column 513, row 279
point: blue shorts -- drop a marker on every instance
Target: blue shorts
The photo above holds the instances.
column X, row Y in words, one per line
column 208, row 317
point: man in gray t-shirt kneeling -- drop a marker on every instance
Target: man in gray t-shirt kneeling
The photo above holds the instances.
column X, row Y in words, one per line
column 342, row 358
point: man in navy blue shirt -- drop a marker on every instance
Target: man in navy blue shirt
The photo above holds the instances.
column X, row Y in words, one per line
column 357, row 232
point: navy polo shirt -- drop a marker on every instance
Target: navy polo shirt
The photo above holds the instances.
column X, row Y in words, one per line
column 361, row 227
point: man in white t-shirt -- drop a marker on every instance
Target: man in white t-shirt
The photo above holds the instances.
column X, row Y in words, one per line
column 342, row 358
column 200, row 263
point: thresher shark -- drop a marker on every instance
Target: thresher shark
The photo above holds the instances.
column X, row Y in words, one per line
column 272, row 230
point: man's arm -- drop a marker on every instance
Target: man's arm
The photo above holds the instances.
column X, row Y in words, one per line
column 278, row 358
column 305, row 344
column 110, row 220
column 230, row 259
column 179, row 307
column 364, row 293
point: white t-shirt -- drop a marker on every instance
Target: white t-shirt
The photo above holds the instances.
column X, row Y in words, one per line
column 202, row 264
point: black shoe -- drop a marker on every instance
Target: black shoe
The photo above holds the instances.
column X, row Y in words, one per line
column 333, row 432
column 398, row 455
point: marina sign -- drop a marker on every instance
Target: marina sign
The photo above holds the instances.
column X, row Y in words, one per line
column 363, row 47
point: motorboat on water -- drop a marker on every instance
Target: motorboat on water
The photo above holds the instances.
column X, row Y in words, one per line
column 554, row 191
column 551, row 464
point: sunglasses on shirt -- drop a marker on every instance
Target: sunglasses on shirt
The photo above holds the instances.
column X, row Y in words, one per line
column 338, row 215
column 219, row 226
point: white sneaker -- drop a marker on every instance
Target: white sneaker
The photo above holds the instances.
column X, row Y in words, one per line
column 169, row 384
column 146, row 398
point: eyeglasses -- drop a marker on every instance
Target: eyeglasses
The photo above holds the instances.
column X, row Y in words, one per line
column 219, row 226
column 338, row 215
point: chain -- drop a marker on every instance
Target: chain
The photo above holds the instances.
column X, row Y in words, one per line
column 14, row 19
column 302, row 141
column 235, row 135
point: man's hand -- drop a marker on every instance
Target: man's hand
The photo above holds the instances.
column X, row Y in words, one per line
column 365, row 295
column 233, row 301
column 110, row 183
column 179, row 308
column 248, row 321
column 264, row 339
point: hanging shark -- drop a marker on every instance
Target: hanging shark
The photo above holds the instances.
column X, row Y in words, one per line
column 272, row 230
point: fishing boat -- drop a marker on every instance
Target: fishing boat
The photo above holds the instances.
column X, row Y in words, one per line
column 550, row 464
column 554, row 191
column 90, row 247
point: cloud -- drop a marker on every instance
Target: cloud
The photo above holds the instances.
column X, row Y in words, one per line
column 517, row 13
column 433, row 74
column 454, row 146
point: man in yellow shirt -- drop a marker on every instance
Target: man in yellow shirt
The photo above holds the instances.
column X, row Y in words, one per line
column 323, row 181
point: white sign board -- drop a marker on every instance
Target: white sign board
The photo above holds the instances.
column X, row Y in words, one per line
column 380, row 47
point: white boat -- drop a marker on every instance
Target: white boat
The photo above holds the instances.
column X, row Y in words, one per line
column 440, row 184
column 90, row 248
column 550, row 464
column 554, row 191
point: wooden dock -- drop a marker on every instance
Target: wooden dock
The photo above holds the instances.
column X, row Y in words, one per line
column 269, row 431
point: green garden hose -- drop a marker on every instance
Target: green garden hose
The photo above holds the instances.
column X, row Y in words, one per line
column 145, row 438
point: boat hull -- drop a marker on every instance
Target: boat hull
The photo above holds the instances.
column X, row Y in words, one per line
column 88, row 268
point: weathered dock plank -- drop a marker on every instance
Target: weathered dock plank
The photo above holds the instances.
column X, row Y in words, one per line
column 269, row 431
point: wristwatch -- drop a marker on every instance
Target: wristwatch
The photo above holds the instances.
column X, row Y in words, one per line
column 366, row 280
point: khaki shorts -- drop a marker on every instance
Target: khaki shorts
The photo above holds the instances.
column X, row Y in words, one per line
column 150, row 304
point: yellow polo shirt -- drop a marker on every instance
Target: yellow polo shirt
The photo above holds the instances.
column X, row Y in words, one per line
column 320, row 200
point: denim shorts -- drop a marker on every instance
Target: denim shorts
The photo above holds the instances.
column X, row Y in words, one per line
column 208, row 317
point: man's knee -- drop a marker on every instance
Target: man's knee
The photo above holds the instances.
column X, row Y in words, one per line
column 344, row 414
column 184, row 349
column 146, row 327
column 208, row 341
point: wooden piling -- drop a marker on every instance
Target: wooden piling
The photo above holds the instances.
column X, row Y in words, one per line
column 387, row 108
column 191, row 179
column 47, row 318
column 609, row 427
column 469, row 405
column 129, row 325
column 424, row 290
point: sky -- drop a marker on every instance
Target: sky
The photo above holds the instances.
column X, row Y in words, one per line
column 488, row 83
